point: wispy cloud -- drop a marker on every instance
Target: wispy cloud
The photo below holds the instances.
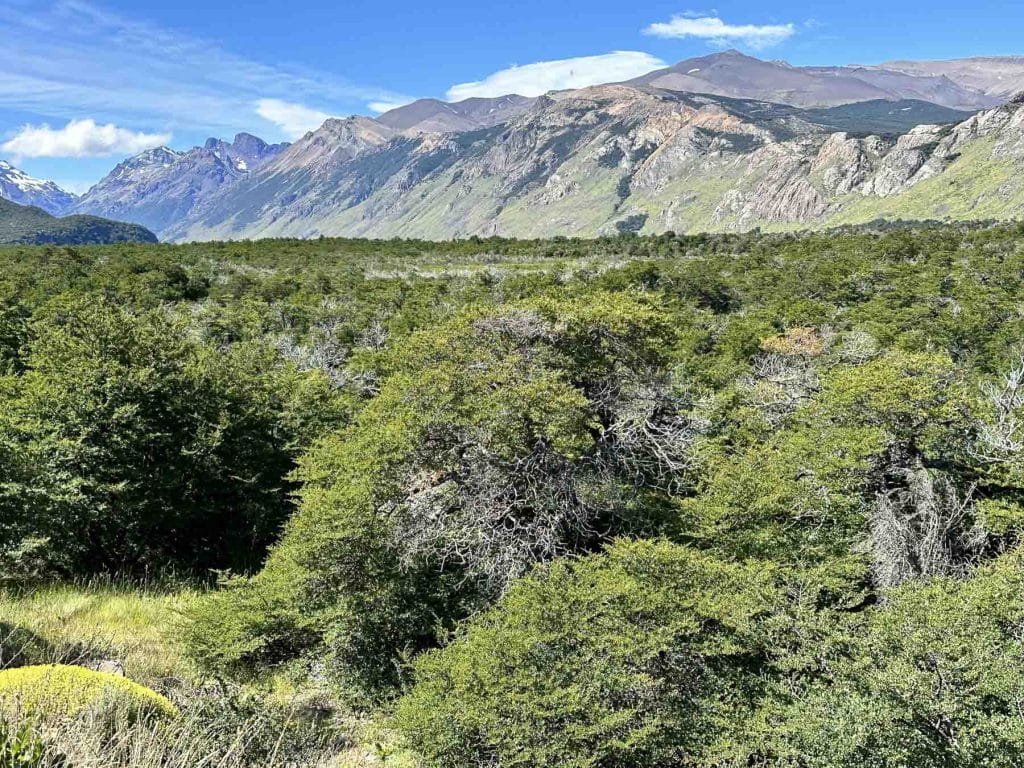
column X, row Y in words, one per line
column 80, row 138
column 68, row 59
column 295, row 120
column 717, row 32
column 543, row 76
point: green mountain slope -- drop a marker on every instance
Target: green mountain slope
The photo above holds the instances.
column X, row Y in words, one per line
column 27, row 225
column 885, row 118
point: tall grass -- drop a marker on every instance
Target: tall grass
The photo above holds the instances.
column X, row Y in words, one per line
column 199, row 738
column 221, row 726
column 133, row 623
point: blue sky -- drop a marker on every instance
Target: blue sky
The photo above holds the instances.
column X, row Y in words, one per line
column 85, row 83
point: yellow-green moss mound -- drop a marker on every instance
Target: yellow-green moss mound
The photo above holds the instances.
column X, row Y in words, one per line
column 55, row 690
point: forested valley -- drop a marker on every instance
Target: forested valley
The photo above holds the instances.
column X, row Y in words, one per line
column 635, row 502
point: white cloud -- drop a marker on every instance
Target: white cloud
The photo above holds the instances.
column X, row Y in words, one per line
column 380, row 107
column 717, row 32
column 543, row 76
column 80, row 138
column 294, row 120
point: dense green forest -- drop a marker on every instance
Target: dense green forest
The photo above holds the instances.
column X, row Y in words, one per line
column 636, row 502
column 28, row 225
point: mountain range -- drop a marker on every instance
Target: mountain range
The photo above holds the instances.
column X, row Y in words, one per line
column 733, row 74
column 162, row 187
column 719, row 142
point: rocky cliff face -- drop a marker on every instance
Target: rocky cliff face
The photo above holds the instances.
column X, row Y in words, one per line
column 621, row 158
column 18, row 187
column 161, row 186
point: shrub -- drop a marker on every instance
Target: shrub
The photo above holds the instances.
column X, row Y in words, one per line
column 934, row 678
column 497, row 440
column 640, row 656
column 125, row 445
column 58, row 691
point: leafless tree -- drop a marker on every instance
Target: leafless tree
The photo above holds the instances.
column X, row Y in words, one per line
column 1001, row 437
column 858, row 347
column 780, row 384
column 785, row 375
column 652, row 431
column 495, row 517
column 922, row 526
column 326, row 353
column 373, row 336
column 521, row 325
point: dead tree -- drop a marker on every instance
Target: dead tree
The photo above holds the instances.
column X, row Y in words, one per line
column 922, row 525
column 784, row 375
column 1001, row 437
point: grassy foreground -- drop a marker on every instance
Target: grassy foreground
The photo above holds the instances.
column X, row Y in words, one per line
column 134, row 626
column 130, row 624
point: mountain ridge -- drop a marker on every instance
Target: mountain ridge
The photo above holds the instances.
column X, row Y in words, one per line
column 590, row 161
column 733, row 73
column 160, row 186
column 698, row 144
column 436, row 116
column 997, row 76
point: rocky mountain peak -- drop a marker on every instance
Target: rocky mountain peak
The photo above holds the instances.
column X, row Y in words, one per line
column 352, row 131
column 246, row 152
column 250, row 145
column 158, row 156
column 161, row 185
column 18, row 187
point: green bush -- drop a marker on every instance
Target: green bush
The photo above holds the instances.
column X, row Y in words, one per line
column 934, row 678
column 21, row 746
column 498, row 439
column 58, row 691
column 126, row 445
column 642, row 656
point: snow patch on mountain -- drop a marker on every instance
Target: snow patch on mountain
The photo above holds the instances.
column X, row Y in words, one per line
column 18, row 187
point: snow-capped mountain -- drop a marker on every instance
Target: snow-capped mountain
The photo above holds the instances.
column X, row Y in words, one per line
column 18, row 187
